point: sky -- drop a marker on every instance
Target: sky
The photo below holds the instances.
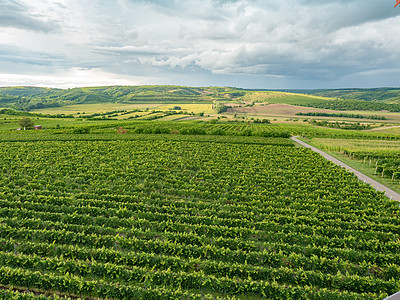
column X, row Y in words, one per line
column 259, row 44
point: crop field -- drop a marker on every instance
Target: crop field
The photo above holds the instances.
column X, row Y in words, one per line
column 186, row 124
column 105, row 107
column 388, row 129
column 250, row 129
column 145, row 108
column 286, row 111
column 383, row 157
column 11, row 123
column 318, row 101
column 195, row 108
column 134, row 114
column 273, row 110
column 176, row 118
column 352, row 145
column 281, row 97
column 93, row 108
column 190, row 217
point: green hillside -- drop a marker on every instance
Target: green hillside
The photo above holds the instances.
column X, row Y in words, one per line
column 127, row 216
column 27, row 98
column 387, row 95
column 380, row 99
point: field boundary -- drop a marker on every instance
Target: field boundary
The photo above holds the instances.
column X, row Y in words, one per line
column 366, row 179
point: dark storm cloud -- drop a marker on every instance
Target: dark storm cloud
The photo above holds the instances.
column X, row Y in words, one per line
column 286, row 42
column 15, row 55
column 339, row 14
column 299, row 39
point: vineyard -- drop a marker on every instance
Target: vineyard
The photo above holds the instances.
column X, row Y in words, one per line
column 189, row 217
column 234, row 129
column 383, row 157
column 110, row 128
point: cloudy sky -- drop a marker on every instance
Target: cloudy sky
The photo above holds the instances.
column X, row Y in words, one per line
column 271, row 44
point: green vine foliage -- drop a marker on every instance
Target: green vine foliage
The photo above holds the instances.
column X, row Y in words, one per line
column 222, row 217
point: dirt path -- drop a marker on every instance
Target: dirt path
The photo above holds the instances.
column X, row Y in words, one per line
column 394, row 297
column 375, row 184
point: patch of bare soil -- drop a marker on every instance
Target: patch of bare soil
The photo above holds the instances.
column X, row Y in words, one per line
column 284, row 110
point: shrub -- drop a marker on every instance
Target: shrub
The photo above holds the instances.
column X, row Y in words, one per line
column 192, row 130
column 246, row 132
column 217, row 131
column 160, row 130
column 81, row 130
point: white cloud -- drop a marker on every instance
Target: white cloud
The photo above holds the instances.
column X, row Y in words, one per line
column 299, row 40
column 71, row 78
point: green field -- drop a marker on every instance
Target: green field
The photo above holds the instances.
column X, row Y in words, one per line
column 31, row 98
column 132, row 197
column 93, row 108
column 281, row 97
column 205, row 126
column 389, row 129
column 135, row 102
column 10, row 123
column 195, row 108
column 377, row 159
column 106, row 107
column 195, row 217
column 352, row 145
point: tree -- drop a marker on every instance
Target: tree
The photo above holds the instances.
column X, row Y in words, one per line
column 220, row 107
column 26, row 123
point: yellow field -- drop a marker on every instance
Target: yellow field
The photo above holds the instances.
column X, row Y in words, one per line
column 148, row 115
column 137, row 113
column 195, row 108
column 172, row 118
column 106, row 107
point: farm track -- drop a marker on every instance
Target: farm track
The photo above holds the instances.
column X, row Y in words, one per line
column 375, row 184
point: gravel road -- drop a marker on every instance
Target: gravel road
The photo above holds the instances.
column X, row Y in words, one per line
column 375, row 184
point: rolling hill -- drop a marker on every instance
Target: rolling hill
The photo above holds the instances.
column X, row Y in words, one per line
column 387, row 95
column 29, row 98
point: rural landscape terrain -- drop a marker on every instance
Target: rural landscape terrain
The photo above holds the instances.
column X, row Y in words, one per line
column 175, row 192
